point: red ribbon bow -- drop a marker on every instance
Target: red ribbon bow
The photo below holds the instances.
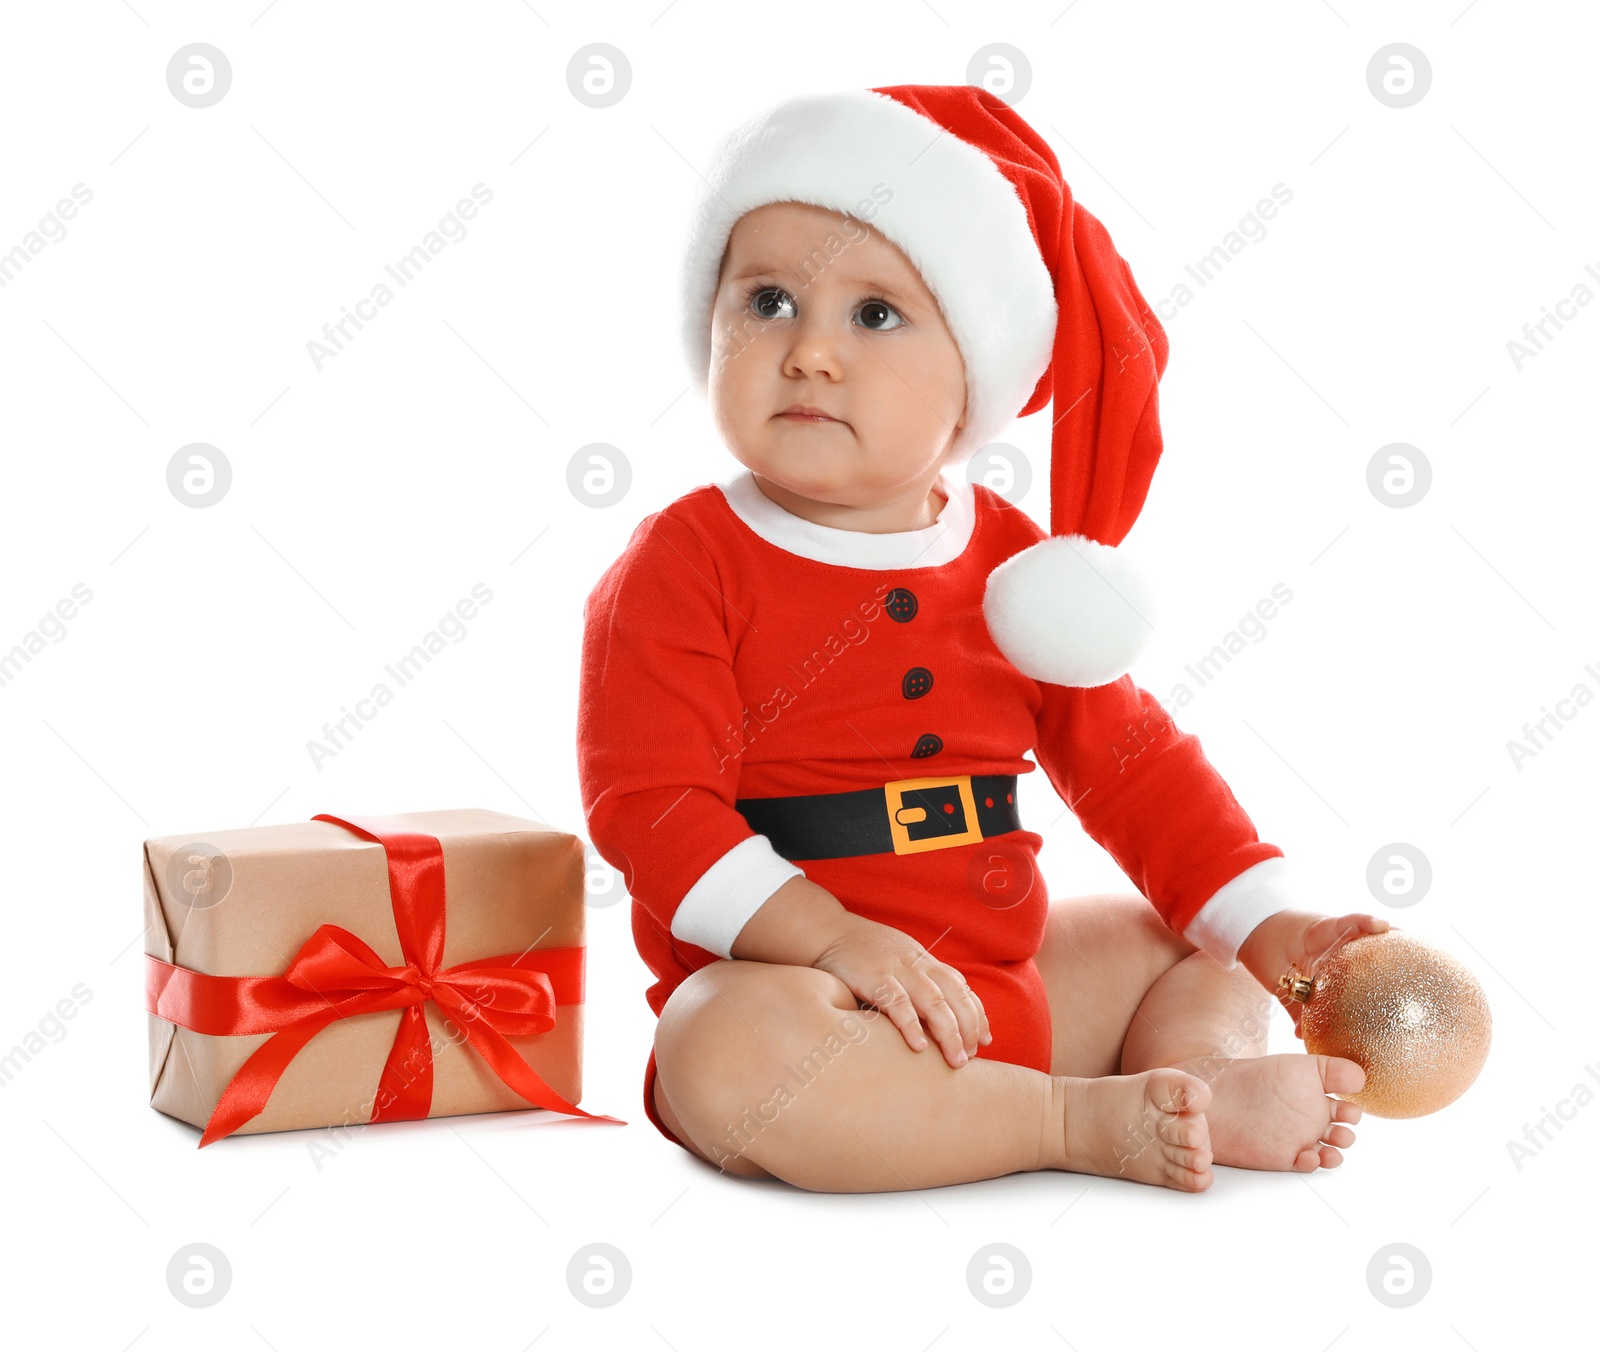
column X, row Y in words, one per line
column 335, row 975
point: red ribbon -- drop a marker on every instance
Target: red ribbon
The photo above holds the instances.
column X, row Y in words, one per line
column 335, row 975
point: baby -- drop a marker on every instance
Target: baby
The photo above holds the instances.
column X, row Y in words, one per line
column 799, row 738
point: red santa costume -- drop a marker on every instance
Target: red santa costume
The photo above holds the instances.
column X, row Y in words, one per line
column 762, row 696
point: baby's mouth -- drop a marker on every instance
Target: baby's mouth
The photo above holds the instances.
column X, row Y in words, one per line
column 808, row 415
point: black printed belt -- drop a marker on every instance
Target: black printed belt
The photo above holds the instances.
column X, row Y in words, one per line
column 907, row 816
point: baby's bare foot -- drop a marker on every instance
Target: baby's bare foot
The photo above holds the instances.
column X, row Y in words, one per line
column 1150, row 1128
column 1273, row 1112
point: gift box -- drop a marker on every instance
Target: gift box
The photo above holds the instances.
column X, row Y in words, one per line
column 346, row 970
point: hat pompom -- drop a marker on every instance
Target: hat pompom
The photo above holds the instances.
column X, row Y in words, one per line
column 1069, row 610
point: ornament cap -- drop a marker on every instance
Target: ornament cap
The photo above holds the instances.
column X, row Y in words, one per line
column 1295, row 986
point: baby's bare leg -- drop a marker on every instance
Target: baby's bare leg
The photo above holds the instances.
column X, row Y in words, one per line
column 1128, row 994
column 1267, row 1112
column 779, row 1066
column 1198, row 1009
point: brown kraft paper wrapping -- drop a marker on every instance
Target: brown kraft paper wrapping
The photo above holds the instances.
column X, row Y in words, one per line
column 510, row 885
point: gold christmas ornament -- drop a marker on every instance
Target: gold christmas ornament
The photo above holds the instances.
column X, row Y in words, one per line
column 1413, row 1017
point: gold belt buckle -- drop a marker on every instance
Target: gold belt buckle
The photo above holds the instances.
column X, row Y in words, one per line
column 900, row 816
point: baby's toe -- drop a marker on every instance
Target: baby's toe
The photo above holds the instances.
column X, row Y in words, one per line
column 1177, row 1091
column 1345, row 1112
column 1340, row 1135
column 1331, row 1158
column 1186, row 1131
column 1340, row 1075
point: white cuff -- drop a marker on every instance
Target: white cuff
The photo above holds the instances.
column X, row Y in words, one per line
column 1222, row 925
column 728, row 893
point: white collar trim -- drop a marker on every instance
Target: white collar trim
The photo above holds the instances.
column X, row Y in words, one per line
column 940, row 543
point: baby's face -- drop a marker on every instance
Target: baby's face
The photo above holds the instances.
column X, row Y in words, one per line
column 819, row 309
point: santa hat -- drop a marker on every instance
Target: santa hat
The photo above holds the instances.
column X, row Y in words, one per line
column 1038, row 300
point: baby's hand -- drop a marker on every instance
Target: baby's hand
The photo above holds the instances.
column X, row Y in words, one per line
column 1305, row 940
column 890, row 970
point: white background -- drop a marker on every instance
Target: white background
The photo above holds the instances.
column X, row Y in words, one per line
column 430, row 455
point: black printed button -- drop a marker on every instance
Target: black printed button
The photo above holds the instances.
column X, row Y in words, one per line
column 916, row 683
column 927, row 745
column 900, row 604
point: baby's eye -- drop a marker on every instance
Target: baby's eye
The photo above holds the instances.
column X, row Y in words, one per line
column 877, row 312
column 764, row 300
